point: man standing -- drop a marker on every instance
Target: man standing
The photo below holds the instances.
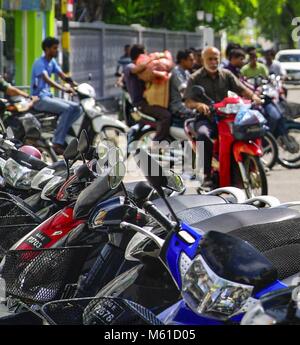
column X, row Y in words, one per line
column 216, row 82
column 41, row 82
column 254, row 68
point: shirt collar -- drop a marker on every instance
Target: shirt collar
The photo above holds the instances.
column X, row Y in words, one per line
column 204, row 72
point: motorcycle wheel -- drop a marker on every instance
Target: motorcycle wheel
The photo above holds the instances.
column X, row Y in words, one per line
column 270, row 149
column 256, row 176
column 286, row 158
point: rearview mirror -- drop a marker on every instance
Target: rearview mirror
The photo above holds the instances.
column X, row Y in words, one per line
column 151, row 169
column 83, row 144
column 71, row 151
column 117, row 175
column 198, row 90
column 175, row 183
column 10, row 133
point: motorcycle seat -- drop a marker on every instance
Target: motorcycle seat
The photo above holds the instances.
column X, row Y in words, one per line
column 197, row 214
column 236, row 220
column 182, row 203
column 278, row 241
column 41, row 113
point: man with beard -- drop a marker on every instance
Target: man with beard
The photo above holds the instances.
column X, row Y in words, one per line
column 41, row 83
column 217, row 82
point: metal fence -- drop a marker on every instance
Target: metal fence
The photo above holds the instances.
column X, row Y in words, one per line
column 96, row 48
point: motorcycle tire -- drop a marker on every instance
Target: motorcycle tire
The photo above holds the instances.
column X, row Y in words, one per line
column 293, row 134
column 256, row 173
column 270, row 148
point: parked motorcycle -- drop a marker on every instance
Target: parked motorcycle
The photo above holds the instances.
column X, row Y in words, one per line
column 281, row 307
column 229, row 267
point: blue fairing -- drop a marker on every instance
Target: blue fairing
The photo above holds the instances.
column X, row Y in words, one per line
column 106, row 204
column 177, row 246
column 180, row 313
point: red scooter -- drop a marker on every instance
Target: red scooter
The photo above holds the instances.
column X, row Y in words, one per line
column 237, row 150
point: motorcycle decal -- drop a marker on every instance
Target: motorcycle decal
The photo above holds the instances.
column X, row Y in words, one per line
column 38, row 241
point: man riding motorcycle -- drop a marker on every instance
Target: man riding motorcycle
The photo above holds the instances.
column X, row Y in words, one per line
column 11, row 90
column 272, row 112
column 41, row 82
column 178, row 82
column 217, row 82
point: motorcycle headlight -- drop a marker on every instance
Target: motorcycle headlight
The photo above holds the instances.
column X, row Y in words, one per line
column 2, row 163
column 208, row 294
column 17, row 175
column 257, row 316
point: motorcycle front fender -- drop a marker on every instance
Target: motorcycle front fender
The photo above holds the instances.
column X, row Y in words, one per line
column 103, row 121
column 251, row 148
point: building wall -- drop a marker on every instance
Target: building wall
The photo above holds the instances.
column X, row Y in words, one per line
column 96, row 48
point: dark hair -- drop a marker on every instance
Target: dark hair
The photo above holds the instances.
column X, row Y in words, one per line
column 127, row 46
column 49, row 42
column 250, row 49
column 231, row 46
column 136, row 51
column 198, row 51
column 236, row 53
column 270, row 51
column 183, row 55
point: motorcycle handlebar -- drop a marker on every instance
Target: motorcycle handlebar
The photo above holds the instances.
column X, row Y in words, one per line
column 164, row 221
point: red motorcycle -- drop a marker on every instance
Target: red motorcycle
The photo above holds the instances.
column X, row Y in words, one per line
column 237, row 150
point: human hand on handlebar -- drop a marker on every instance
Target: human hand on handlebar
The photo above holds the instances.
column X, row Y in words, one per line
column 257, row 100
column 204, row 109
column 69, row 89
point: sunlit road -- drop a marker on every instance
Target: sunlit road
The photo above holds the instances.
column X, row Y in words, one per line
column 284, row 183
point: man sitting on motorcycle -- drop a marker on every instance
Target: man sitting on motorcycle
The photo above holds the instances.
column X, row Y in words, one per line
column 41, row 82
column 217, row 82
column 178, row 83
column 136, row 88
column 10, row 90
column 271, row 110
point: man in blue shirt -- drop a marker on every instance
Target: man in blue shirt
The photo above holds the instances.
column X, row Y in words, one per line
column 41, row 82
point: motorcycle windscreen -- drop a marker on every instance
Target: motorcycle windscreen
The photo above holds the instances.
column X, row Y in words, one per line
column 236, row 260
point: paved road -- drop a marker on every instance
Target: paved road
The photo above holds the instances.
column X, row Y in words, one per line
column 284, row 183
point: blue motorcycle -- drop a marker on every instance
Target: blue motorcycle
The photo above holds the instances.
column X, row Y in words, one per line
column 220, row 275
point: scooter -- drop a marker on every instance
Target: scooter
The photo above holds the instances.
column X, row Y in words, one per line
column 219, row 274
column 288, row 142
column 280, row 307
column 37, row 128
column 237, row 151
